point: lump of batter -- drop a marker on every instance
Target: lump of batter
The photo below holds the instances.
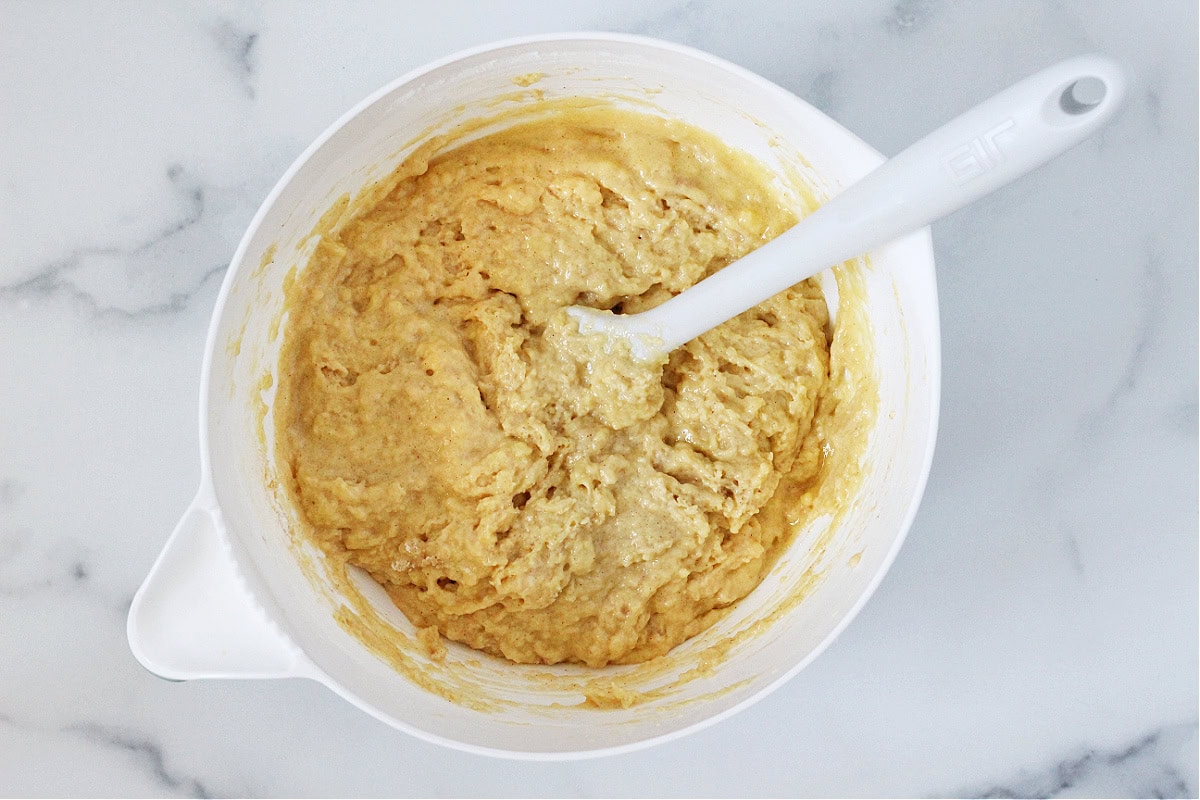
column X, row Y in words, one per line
column 442, row 432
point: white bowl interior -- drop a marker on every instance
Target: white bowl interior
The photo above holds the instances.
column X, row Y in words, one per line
column 533, row 714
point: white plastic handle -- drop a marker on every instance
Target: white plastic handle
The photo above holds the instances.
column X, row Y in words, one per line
column 194, row 617
column 989, row 146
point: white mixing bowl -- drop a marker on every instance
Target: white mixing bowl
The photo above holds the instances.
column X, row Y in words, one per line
column 234, row 596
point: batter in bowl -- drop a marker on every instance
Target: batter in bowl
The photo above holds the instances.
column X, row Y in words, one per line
column 444, row 427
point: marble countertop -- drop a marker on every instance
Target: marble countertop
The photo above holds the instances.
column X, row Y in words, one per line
column 1038, row 633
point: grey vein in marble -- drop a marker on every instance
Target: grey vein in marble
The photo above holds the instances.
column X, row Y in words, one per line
column 1147, row 335
column 146, row 751
column 907, row 16
column 678, row 20
column 22, row 569
column 11, row 591
column 10, row 491
column 822, row 90
column 145, row 278
column 1153, row 297
column 238, row 44
column 17, row 576
column 1143, row 768
column 1088, row 434
column 175, row 302
column 1184, row 416
column 57, row 566
column 1154, row 109
column 1074, row 552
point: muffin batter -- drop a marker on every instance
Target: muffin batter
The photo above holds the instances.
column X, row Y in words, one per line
column 445, row 427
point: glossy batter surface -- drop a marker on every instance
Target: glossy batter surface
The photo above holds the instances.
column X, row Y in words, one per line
column 442, row 431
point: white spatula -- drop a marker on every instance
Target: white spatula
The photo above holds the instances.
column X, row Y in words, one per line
column 989, row 146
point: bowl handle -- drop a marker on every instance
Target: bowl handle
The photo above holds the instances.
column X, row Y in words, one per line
column 194, row 617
